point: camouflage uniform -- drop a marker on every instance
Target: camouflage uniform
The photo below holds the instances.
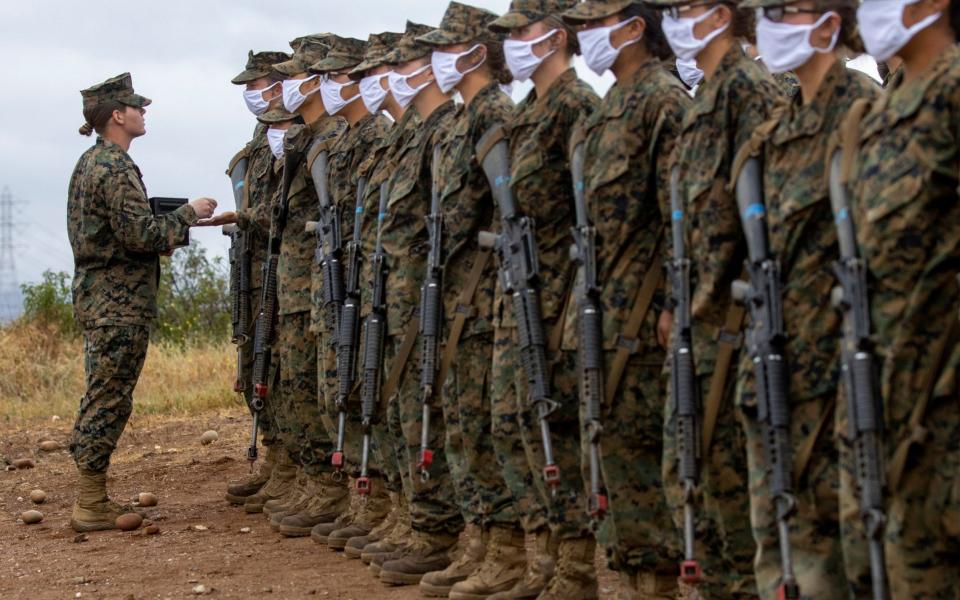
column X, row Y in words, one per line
column 116, row 243
column 803, row 238
column 906, row 210
column 727, row 108
column 626, row 176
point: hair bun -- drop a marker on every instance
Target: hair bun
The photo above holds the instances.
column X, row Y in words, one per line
column 86, row 129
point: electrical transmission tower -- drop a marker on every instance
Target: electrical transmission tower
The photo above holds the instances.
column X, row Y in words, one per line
column 10, row 302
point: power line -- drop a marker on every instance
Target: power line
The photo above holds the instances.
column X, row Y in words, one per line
column 10, row 300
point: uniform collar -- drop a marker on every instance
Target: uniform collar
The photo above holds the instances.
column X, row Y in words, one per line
column 807, row 119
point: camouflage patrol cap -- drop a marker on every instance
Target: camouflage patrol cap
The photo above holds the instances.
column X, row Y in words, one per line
column 461, row 24
column 408, row 48
column 259, row 65
column 119, row 88
column 588, row 10
column 345, row 53
column 307, row 51
column 525, row 12
column 378, row 46
column 276, row 115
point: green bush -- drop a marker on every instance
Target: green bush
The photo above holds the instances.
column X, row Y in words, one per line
column 48, row 303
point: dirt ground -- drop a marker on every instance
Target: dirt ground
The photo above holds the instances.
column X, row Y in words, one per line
column 200, row 542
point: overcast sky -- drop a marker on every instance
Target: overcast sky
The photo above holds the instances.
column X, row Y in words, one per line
column 182, row 54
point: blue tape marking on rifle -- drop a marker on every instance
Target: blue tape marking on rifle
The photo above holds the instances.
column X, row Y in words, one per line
column 238, row 185
column 359, row 210
column 677, row 215
column 754, row 210
column 842, row 215
column 501, row 180
column 382, row 216
column 579, row 186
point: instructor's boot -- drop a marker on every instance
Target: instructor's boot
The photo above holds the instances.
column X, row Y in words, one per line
column 281, row 480
column 366, row 516
column 93, row 510
column 238, row 492
column 471, row 550
column 539, row 571
column 425, row 553
column 575, row 575
column 332, row 500
column 502, row 568
column 355, row 545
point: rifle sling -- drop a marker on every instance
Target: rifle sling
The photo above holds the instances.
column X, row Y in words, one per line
column 802, row 460
column 464, row 310
column 728, row 343
column 400, row 360
column 627, row 340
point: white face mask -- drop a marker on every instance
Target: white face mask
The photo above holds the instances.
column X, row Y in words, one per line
column 882, row 29
column 786, row 46
column 333, row 101
column 598, row 51
column 372, row 92
column 255, row 100
column 521, row 59
column 400, row 87
column 292, row 98
column 445, row 68
column 680, row 36
column 275, row 138
column 690, row 73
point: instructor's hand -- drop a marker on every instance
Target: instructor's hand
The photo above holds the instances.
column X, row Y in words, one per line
column 204, row 207
column 225, row 218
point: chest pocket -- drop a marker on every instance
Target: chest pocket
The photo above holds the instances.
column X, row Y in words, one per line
column 400, row 187
column 528, row 159
column 261, row 166
column 614, row 145
column 701, row 131
column 901, row 185
column 137, row 183
column 456, row 168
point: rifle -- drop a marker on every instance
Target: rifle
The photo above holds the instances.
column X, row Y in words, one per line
column 590, row 321
column 329, row 250
column 765, row 343
column 239, row 273
column 375, row 328
column 683, row 384
column 864, row 411
column 431, row 319
column 519, row 273
column 267, row 318
column 349, row 337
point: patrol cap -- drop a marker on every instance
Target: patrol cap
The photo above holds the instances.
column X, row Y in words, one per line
column 276, row 115
column 307, row 51
column 461, row 24
column 345, row 53
column 259, row 65
column 525, row 12
column 587, row 10
column 378, row 45
column 119, row 88
column 409, row 48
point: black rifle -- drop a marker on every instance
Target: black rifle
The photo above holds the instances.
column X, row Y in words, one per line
column 765, row 343
column 431, row 320
column 519, row 272
column 239, row 274
column 375, row 328
column 267, row 318
column 683, row 384
column 329, row 251
column 349, row 339
column 590, row 325
column 864, row 427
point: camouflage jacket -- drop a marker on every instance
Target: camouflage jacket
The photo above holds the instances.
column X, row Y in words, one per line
column 116, row 240
column 727, row 109
column 540, row 135
column 404, row 232
column 906, row 212
column 802, row 234
column 468, row 207
column 627, row 187
column 346, row 154
column 260, row 185
column 296, row 263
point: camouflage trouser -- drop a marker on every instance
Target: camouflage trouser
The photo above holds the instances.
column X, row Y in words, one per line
column 814, row 528
column 509, row 408
column 483, row 495
column 299, row 414
column 725, row 546
column 112, row 360
column 266, row 422
column 638, row 532
column 433, row 503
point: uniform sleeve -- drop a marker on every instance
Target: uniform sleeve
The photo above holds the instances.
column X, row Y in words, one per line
column 135, row 225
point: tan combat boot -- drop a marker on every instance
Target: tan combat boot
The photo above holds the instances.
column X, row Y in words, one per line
column 281, row 480
column 657, row 586
column 332, row 501
column 372, row 513
column 426, row 552
column 502, row 568
column 575, row 575
column 238, row 492
column 320, row 533
column 399, row 534
column 540, row 569
column 355, row 545
column 296, row 501
column 93, row 510
column 472, row 547
column 293, row 495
